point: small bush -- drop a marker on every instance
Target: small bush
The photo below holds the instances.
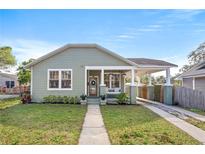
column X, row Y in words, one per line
column 122, row 99
column 52, row 99
column 83, row 96
column 65, row 99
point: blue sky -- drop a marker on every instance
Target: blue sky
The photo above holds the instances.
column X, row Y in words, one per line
column 161, row 34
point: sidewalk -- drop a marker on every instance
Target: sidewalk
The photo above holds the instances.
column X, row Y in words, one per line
column 93, row 131
column 193, row 131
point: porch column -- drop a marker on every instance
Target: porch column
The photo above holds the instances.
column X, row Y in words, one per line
column 168, row 89
column 102, row 84
column 133, row 90
column 150, row 89
column 193, row 83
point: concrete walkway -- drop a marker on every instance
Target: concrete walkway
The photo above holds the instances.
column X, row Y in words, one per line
column 93, row 131
column 193, row 131
column 178, row 109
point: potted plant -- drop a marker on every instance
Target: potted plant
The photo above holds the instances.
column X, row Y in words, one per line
column 103, row 100
column 83, row 100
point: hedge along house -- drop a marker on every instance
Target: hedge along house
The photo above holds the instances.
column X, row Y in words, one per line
column 90, row 69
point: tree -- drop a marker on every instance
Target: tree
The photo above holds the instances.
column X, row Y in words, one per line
column 6, row 57
column 195, row 57
column 24, row 75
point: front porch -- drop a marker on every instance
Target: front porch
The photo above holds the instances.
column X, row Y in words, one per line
column 110, row 81
column 107, row 80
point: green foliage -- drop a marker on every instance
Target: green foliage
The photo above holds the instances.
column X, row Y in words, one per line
column 102, row 97
column 6, row 57
column 122, row 98
column 195, row 57
column 52, row 99
column 83, row 96
column 24, row 75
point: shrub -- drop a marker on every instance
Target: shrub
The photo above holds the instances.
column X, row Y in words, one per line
column 83, row 96
column 65, row 99
column 122, row 98
column 26, row 98
column 60, row 99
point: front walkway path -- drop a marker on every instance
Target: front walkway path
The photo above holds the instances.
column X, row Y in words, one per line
column 178, row 109
column 193, row 131
column 93, row 131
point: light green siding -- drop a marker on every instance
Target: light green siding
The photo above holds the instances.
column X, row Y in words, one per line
column 72, row 58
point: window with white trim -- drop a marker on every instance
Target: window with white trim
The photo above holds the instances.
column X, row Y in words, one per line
column 59, row 79
column 112, row 80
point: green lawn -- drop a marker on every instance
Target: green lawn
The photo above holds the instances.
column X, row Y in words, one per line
column 9, row 102
column 41, row 124
column 201, row 112
column 138, row 125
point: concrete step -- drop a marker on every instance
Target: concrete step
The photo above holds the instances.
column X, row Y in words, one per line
column 93, row 101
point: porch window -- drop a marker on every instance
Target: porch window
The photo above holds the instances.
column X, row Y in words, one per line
column 115, row 81
column 112, row 81
column 59, row 79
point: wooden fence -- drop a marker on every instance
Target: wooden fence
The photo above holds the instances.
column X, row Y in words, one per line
column 15, row 90
column 189, row 98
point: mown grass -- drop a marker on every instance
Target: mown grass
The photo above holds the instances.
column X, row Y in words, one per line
column 139, row 125
column 201, row 112
column 197, row 123
column 41, row 124
column 9, row 102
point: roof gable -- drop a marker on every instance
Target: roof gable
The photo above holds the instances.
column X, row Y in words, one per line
column 61, row 49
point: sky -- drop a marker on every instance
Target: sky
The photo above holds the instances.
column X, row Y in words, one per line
column 159, row 34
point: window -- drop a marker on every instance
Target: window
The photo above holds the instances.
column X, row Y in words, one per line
column 65, row 79
column 10, row 84
column 112, row 80
column 115, row 81
column 59, row 79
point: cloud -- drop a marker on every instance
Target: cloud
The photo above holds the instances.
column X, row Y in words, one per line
column 25, row 49
column 125, row 36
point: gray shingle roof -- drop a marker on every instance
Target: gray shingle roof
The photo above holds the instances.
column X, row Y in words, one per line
column 146, row 61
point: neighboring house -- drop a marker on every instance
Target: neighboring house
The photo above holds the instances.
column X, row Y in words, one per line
column 194, row 78
column 90, row 69
column 8, row 80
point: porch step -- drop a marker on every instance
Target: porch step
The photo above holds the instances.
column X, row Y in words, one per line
column 93, row 101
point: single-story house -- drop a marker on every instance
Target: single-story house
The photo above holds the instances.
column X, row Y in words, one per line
column 194, row 78
column 76, row 69
column 8, row 80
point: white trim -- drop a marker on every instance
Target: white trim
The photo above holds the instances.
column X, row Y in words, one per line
column 193, row 83
column 59, row 78
column 191, row 76
column 31, row 86
column 109, row 67
column 132, row 77
column 86, row 82
column 155, row 66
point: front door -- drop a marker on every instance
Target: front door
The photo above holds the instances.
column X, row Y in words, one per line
column 93, row 85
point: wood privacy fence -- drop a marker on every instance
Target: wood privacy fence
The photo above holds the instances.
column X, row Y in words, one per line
column 15, row 90
column 189, row 98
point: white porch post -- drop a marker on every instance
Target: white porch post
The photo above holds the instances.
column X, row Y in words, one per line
column 102, row 77
column 193, row 82
column 150, row 80
column 168, row 77
column 86, row 81
column 133, row 89
column 102, row 84
column 132, row 77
